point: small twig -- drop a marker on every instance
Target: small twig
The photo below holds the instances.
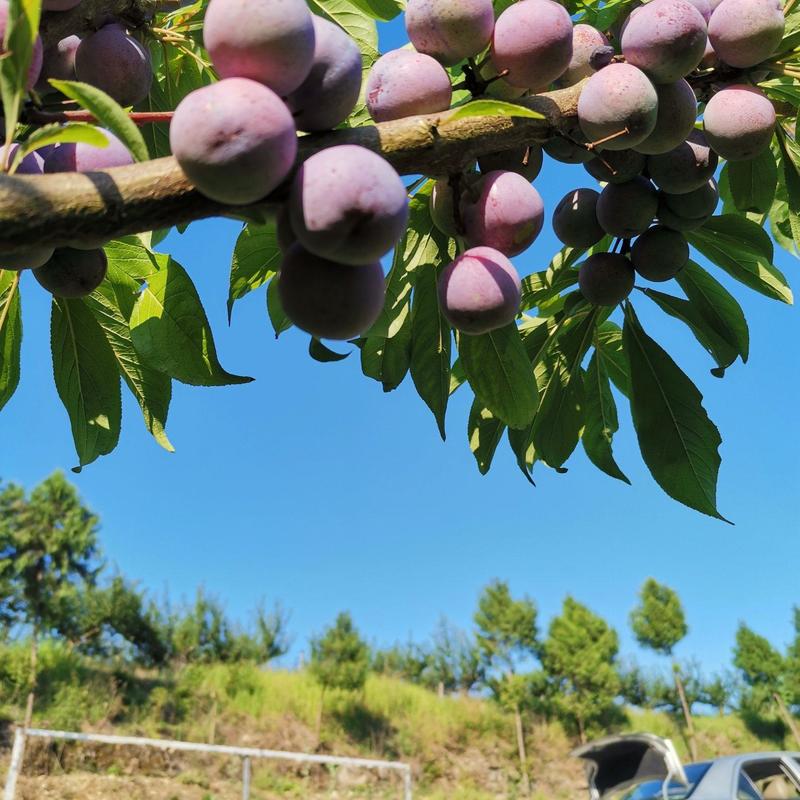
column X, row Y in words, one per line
column 788, row 7
column 38, row 117
column 593, row 145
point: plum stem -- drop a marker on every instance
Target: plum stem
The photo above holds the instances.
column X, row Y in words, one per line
column 610, row 137
column 39, row 117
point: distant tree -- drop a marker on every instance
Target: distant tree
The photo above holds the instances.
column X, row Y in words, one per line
column 507, row 637
column 410, row 661
column 764, row 670
column 636, row 686
column 659, row 623
column 719, row 691
column 340, row 659
column 579, row 656
column 454, row 662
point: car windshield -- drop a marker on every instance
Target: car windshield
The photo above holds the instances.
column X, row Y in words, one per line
column 651, row 790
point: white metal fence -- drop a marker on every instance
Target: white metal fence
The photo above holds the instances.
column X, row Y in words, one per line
column 245, row 753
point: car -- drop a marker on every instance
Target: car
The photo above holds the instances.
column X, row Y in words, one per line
column 643, row 766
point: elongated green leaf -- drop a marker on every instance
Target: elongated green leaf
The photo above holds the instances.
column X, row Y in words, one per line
column 58, row 134
column 108, row 113
column 383, row 10
column 322, row 353
column 10, row 334
column 679, row 443
column 431, row 341
column 348, row 15
column 559, row 421
column 753, row 182
column 112, row 305
column 608, row 344
column 21, row 30
column 130, row 255
column 539, row 287
column 500, row 374
column 600, row 417
column 87, row 379
column 492, row 108
column 170, row 331
column 520, row 441
column 744, row 251
column 256, row 258
column 790, row 173
column 485, row 432
column 277, row 316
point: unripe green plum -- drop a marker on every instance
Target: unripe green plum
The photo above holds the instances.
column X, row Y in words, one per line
column 739, row 121
column 616, row 98
column 606, row 279
column 348, row 204
column 72, row 273
column 269, row 42
column 685, row 168
column 330, row 91
column 507, row 215
column 234, row 139
column 115, row 62
column 677, row 111
column 575, row 219
column 527, row 161
column 659, row 253
column 403, row 83
column 82, row 157
column 627, row 209
column 58, row 62
column 442, row 207
column 746, row 32
column 665, row 38
column 585, row 40
column 533, row 41
column 450, row 30
column 327, row 299
column 36, row 56
column 616, row 166
column 480, row 291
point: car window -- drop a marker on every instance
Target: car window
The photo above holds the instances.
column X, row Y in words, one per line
column 771, row 779
column 745, row 789
column 651, row 790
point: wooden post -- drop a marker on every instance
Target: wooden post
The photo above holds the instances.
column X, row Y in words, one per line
column 407, row 793
column 15, row 765
column 246, row 778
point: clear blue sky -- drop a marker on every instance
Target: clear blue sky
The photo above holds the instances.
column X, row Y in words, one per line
column 313, row 487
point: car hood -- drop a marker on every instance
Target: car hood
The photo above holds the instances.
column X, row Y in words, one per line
column 615, row 763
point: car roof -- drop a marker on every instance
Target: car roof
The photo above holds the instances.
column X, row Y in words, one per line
column 720, row 779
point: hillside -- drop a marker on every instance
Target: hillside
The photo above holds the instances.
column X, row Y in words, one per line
column 460, row 747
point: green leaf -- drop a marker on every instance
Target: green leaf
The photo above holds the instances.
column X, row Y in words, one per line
column 603, row 16
column 87, row 379
column 59, row 134
column 170, row 330
column 753, row 182
column 500, row 374
column 348, row 15
column 107, row 112
column 383, row 10
column 492, row 108
column 112, row 304
column 10, row 334
column 130, row 255
column 22, row 29
column 539, row 287
column 431, row 342
column 319, row 352
column 790, row 172
column 485, row 432
column 277, row 316
column 601, row 422
column 520, row 441
column 679, row 443
column 608, row 345
column 559, row 421
column 744, row 250
column 256, row 258
column 784, row 89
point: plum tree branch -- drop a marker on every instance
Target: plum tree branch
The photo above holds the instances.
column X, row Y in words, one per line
column 89, row 15
column 65, row 208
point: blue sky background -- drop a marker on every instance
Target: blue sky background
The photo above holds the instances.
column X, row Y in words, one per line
column 313, row 487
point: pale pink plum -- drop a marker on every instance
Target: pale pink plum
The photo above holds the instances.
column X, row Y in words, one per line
column 348, row 204
column 36, row 57
column 115, row 62
column 402, row 83
column 585, row 40
column 507, row 214
column 746, row 32
column 685, row 168
column 327, row 299
column 627, row 209
column 677, row 111
column 58, row 62
column 739, row 121
column 330, row 91
column 270, row 42
column 689, row 211
column 480, row 291
column 616, row 166
column 533, row 41
column 606, row 279
column 235, row 140
column 443, row 207
column 575, row 219
column 59, row 5
column 82, row 157
column 617, row 97
column 665, row 38
column 450, row 30
column 527, row 161
column 73, row 273
column 660, row 253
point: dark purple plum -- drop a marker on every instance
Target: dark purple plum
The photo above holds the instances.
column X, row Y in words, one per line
column 58, row 62
column 685, row 168
column 739, row 121
column 686, row 212
column 72, row 273
column 575, row 219
column 677, row 111
column 606, row 279
column 283, row 229
column 659, row 253
column 744, row 33
column 527, row 161
column 616, row 166
column 568, row 149
column 627, row 209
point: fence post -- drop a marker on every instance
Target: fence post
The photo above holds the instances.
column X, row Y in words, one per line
column 407, row 795
column 246, row 778
column 15, row 765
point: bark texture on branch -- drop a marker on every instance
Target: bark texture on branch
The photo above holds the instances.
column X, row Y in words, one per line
column 89, row 15
column 69, row 207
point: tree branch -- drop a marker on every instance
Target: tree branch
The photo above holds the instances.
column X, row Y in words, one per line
column 89, row 15
column 67, row 208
